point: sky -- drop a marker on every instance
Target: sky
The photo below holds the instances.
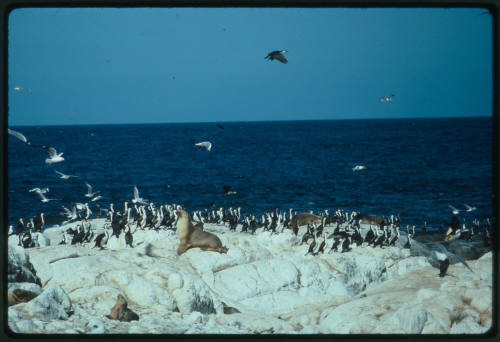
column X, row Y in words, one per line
column 153, row 65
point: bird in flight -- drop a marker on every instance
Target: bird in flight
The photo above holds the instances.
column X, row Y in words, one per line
column 137, row 198
column 278, row 55
column 227, row 190
column 469, row 208
column 454, row 210
column 64, row 176
column 206, row 144
column 387, row 98
column 18, row 135
column 54, row 156
column 359, row 168
column 45, row 199
column 19, row 88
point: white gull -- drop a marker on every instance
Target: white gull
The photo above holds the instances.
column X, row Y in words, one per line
column 206, row 144
column 359, row 168
column 45, row 199
column 89, row 193
column 64, row 176
column 136, row 198
column 54, row 156
column 18, row 135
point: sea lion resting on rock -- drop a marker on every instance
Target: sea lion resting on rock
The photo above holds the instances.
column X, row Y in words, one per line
column 191, row 236
column 370, row 219
column 303, row 219
column 20, row 296
column 120, row 311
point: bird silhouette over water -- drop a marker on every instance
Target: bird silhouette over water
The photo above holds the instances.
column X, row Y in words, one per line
column 227, row 190
column 278, row 55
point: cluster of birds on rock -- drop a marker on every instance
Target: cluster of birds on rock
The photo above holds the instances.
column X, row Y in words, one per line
column 337, row 231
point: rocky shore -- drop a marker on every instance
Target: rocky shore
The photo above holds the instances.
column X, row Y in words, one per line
column 265, row 283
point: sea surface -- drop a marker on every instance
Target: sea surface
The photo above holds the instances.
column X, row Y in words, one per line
column 415, row 167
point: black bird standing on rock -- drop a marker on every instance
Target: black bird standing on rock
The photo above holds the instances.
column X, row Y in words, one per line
column 128, row 237
column 321, row 248
column 20, row 226
column 345, row 245
column 39, row 222
column 311, row 246
column 278, row 55
column 335, row 244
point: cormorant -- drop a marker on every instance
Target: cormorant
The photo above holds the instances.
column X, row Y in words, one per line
column 278, row 55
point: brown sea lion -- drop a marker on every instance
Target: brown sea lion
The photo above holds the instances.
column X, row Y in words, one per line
column 190, row 236
column 302, row 219
column 121, row 312
column 199, row 225
column 370, row 219
column 19, row 296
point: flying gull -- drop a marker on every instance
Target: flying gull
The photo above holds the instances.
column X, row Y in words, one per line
column 70, row 215
column 136, row 198
column 79, row 206
column 278, row 55
column 19, row 88
column 469, row 208
column 387, row 98
column 454, row 210
column 89, row 193
column 45, row 199
column 96, row 198
column 64, row 176
column 54, row 156
column 40, row 191
column 206, row 144
column 18, row 135
column 359, row 168
column 227, row 190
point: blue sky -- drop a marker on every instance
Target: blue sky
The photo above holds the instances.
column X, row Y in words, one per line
column 148, row 65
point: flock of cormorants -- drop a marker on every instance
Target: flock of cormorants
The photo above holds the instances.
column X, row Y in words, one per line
column 339, row 231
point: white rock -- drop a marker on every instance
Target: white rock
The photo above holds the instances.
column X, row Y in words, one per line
column 96, row 326
column 194, row 296
column 19, row 267
column 309, row 330
column 52, row 303
column 410, row 320
column 468, row 326
column 26, row 286
column 415, row 262
column 40, row 240
column 266, row 277
column 194, row 317
column 481, row 299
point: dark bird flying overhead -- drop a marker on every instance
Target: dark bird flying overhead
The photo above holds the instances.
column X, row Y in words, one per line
column 278, row 55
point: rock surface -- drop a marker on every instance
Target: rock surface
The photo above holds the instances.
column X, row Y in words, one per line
column 264, row 284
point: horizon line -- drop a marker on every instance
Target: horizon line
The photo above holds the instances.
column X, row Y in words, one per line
column 254, row 121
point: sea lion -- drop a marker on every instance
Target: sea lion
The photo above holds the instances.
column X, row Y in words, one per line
column 303, row 219
column 191, row 236
column 199, row 225
column 120, row 311
column 19, row 296
column 370, row 219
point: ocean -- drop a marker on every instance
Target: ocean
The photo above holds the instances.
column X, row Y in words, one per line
column 415, row 167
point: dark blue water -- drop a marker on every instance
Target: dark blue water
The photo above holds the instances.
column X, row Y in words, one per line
column 415, row 167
